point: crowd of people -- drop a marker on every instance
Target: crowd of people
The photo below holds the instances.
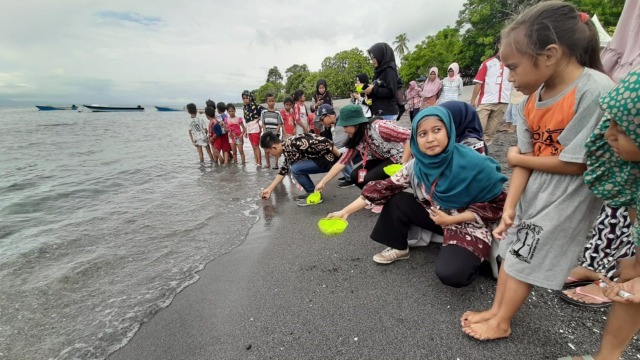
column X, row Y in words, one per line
column 575, row 181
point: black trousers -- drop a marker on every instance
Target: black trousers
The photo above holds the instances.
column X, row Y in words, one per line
column 413, row 113
column 455, row 265
column 375, row 171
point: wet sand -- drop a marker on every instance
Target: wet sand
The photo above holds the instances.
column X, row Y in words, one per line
column 289, row 292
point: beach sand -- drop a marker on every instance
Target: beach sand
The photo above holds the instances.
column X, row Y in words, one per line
column 289, row 292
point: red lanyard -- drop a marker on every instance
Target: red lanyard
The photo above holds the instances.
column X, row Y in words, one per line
column 433, row 188
column 366, row 149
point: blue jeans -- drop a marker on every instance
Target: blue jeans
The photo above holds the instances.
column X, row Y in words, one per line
column 301, row 171
column 346, row 172
column 389, row 117
column 357, row 159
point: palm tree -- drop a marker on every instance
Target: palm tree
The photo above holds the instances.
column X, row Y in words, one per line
column 401, row 45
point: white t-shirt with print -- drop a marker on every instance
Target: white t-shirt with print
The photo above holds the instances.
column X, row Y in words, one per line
column 253, row 127
column 198, row 127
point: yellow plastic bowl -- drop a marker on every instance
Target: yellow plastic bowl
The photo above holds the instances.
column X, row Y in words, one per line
column 392, row 169
column 332, row 226
column 314, row 198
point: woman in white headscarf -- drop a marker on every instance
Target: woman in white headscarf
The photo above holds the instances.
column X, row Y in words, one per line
column 452, row 85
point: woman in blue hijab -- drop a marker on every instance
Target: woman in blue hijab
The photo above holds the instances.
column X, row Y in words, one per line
column 457, row 193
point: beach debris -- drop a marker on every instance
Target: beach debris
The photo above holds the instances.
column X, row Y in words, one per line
column 571, row 346
column 355, row 339
column 248, row 347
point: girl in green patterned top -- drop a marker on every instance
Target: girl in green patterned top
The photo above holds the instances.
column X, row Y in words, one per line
column 613, row 161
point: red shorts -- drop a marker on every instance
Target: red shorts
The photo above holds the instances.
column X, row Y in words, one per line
column 221, row 143
column 255, row 139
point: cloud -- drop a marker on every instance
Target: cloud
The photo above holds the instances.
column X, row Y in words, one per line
column 132, row 17
column 118, row 52
column 14, row 83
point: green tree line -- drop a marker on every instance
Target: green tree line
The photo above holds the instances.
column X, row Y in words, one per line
column 338, row 70
column 471, row 40
column 474, row 36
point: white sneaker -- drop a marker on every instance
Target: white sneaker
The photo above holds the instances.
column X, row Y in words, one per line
column 389, row 255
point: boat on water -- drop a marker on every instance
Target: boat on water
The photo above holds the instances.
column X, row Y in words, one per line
column 101, row 108
column 50, row 108
column 167, row 108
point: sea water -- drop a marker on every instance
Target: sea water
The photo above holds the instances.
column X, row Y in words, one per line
column 104, row 218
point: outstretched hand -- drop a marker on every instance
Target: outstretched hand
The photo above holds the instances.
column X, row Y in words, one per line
column 265, row 193
column 338, row 214
column 626, row 292
column 319, row 187
column 506, row 222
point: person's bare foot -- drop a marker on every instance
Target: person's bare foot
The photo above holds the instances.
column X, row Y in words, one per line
column 588, row 295
column 491, row 329
column 473, row 317
column 580, row 273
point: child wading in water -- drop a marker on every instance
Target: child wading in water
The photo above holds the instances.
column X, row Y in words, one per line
column 252, row 116
column 551, row 51
column 215, row 134
column 288, row 120
column 198, row 132
column 236, row 131
column 271, row 121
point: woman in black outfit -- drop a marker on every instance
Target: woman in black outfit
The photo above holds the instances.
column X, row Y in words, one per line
column 385, row 82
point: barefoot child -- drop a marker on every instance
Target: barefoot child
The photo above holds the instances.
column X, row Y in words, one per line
column 288, row 120
column 254, row 130
column 252, row 114
column 552, row 53
column 215, row 134
column 224, row 137
column 300, row 113
column 613, row 159
column 271, row 121
column 198, row 132
column 235, row 130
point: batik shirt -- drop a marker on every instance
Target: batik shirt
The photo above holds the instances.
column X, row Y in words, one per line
column 384, row 140
column 307, row 147
column 474, row 236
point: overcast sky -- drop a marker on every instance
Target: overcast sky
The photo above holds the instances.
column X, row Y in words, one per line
column 174, row 52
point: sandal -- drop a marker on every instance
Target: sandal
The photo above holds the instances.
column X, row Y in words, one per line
column 602, row 301
column 574, row 283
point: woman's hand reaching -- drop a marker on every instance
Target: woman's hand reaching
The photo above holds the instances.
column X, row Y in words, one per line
column 338, row 214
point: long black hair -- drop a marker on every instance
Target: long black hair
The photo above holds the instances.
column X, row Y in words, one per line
column 358, row 136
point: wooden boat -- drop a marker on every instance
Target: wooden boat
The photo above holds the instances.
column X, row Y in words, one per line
column 100, row 108
column 49, row 107
column 167, row 108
